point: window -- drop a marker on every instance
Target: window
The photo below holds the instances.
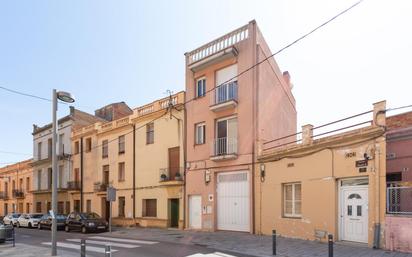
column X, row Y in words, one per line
column 68, row 207
column 49, row 178
column 28, row 184
column 39, row 180
column 121, row 144
column 60, row 207
column 121, row 175
column 76, row 147
column 38, row 207
column 49, row 147
column 105, row 175
column 200, row 133
column 88, row 144
column 48, row 206
column 39, row 151
column 89, row 206
column 150, row 133
column 60, row 177
column 61, row 144
column 200, row 87
column 105, row 149
column 292, row 200
column 122, row 202
column 149, row 208
column 76, row 174
column 76, row 205
column 28, row 207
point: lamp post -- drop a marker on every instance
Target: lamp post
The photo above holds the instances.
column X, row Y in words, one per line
column 65, row 97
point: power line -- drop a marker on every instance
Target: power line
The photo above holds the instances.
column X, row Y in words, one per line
column 283, row 48
column 15, row 153
column 399, row 108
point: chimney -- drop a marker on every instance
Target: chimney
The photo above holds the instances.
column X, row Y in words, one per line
column 286, row 78
column 379, row 114
column 307, row 134
column 72, row 110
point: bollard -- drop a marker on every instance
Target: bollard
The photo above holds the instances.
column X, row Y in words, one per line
column 108, row 251
column 14, row 237
column 330, row 245
column 273, row 242
column 83, row 247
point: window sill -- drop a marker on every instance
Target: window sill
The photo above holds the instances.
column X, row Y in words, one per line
column 120, row 153
column 292, row 217
column 104, row 157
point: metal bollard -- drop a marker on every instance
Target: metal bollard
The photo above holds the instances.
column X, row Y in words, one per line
column 330, row 245
column 83, row 247
column 14, row 237
column 273, row 242
column 108, row 251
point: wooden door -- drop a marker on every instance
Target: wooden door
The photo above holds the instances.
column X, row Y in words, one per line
column 174, row 162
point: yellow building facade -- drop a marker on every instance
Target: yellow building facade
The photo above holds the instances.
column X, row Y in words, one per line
column 140, row 155
column 16, row 188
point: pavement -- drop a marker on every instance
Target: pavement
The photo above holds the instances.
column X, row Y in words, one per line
column 26, row 250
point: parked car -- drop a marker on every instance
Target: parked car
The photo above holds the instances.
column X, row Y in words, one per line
column 46, row 221
column 11, row 219
column 85, row 222
column 28, row 220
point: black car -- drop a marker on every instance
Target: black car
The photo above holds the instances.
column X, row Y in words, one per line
column 85, row 222
column 46, row 221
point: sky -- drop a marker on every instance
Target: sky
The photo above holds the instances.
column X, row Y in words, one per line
column 133, row 51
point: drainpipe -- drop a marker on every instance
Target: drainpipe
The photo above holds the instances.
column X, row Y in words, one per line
column 255, row 120
column 134, row 171
column 184, row 166
column 81, row 174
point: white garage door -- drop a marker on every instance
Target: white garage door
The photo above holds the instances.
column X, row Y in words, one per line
column 233, row 201
column 195, row 210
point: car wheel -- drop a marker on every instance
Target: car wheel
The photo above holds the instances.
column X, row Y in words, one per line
column 17, row 224
column 66, row 228
column 84, row 230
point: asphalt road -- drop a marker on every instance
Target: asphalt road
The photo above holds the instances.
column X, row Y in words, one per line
column 121, row 247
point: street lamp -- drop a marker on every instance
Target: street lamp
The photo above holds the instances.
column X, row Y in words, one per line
column 68, row 98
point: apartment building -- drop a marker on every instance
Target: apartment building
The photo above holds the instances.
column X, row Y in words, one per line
column 399, row 182
column 15, row 188
column 227, row 115
column 42, row 162
column 141, row 155
column 331, row 181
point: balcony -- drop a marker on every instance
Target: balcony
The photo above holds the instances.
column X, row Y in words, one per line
column 100, row 187
column 4, row 195
column 224, row 97
column 224, row 148
column 171, row 175
column 18, row 193
column 73, row 185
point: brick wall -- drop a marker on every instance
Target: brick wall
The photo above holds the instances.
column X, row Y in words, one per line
column 402, row 120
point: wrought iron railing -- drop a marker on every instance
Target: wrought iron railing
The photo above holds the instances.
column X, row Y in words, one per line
column 399, row 200
column 225, row 93
column 171, row 174
column 73, row 185
column 224, row 146
column 17, row 193
column 100, row 186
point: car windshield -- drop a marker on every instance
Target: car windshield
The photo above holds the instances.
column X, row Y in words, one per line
column 36, row 216
column 91, row 215
column 60, row 217
column 15, row 215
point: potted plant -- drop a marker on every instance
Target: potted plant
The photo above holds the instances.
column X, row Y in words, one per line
column 163, row 177
column 178, row 176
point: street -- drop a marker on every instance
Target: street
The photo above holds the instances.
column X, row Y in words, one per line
column 95, row 244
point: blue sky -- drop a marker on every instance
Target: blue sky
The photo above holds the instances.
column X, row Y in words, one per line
column 133, row 51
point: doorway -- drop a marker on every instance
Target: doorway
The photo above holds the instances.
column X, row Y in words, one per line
column 174, row 213
column 354, row 213
column 195, row 211
column 105, row 209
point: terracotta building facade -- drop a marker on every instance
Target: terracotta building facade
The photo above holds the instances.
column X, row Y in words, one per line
column 226, row 116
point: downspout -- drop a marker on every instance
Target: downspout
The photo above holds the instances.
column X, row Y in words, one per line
column 377, row 228
column 255, row 104
column 81, row 174
column 134, row 171
column 184, row 166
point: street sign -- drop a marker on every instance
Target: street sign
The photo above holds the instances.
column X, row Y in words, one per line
column 111, row 194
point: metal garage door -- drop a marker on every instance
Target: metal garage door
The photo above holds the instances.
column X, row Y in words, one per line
column 233, row 201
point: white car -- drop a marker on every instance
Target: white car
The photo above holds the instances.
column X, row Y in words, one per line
column 29, row 220
column 11, row 219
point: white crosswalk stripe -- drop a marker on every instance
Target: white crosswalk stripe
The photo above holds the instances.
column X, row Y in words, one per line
column 215, row 254
column 77, row 247
column 94, row 242
column 123, row 240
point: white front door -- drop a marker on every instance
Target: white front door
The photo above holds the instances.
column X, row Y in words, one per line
column 233, row 201
column 354, row 213
column 195, row 211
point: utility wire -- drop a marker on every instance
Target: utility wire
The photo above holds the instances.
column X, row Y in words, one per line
column 399, row 108
column 15, row 153
column 284, row 48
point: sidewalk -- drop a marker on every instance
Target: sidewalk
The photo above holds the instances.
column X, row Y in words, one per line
column 25, row 250
column 252, row 244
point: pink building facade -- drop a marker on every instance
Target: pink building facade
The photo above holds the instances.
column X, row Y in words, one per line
column 398, row 222
column 228, row 116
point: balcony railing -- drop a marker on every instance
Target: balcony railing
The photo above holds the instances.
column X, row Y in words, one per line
column 225, row 93
column 100, row 186
column 4, row 195
column 18, row 193
column 224, row 146
column 171, row 174
column 73, row 185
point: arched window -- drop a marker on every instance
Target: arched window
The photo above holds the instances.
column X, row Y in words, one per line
column 356, row 196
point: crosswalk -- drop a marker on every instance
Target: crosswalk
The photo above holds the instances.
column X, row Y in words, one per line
column 97, row 243
column 215, row 254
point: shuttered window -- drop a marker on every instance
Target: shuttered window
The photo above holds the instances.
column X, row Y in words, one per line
column 149, row 208
column 292, row 200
